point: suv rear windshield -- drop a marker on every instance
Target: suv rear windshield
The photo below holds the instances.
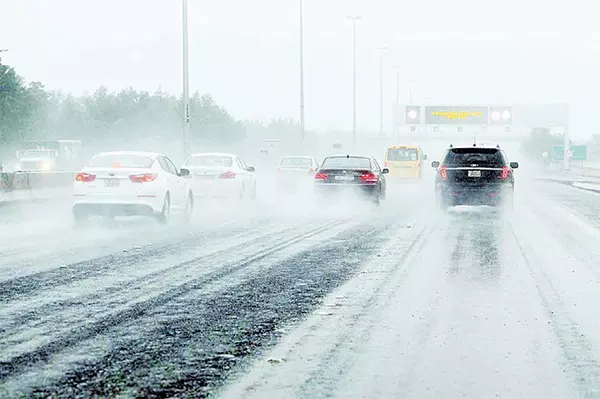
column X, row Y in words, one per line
column 346, row 163
column 402, row 154
column 486, row 157
column 121, row 161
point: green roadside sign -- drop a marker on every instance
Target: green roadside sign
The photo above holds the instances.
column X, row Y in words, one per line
column 577, row 152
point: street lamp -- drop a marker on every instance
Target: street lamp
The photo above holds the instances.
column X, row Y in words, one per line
column 302, row 69
column 381, row 49
column 354, row 19
column 186, row 81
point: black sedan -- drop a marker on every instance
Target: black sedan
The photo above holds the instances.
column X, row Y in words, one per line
column 357, row 174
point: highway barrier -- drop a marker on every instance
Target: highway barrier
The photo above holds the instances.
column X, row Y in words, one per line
column 24, row 186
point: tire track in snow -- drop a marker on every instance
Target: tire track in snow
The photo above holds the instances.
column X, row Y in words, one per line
column 21, row 286
column 155, row 276
column 199, row 339
column 579, row 359
column 89, row 329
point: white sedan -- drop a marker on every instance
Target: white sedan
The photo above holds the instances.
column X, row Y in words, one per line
column 130, row 183
column 221, row 175
column 296, row 172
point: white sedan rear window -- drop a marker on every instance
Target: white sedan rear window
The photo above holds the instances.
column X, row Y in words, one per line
column 121, row 161
column 299, row 162
column 210, row 160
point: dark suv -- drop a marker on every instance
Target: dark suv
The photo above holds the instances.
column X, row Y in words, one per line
column 474, row 175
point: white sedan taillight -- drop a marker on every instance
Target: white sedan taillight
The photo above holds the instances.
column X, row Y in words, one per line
column 143, row 178
column 227, row 175
column 85, row 177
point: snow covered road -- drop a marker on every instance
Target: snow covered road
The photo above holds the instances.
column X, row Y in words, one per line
column 295, row 299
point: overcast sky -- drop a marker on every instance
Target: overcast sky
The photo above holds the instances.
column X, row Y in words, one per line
column 246, row 52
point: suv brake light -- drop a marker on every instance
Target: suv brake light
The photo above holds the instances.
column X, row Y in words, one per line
column 443, row 172
column 143, row 178
column 505, row 172
column 368, row 177
column 85, row 177
column 321, row 176
column 227, row 175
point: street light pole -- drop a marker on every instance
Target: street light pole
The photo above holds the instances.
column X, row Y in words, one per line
column 302, row 70
column 397, row 107
column 410, row 82
column 381, row 49
column 354, row 19
column 186, row 82
column 397, row 84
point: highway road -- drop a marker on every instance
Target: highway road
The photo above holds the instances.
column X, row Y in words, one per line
column 292, row 298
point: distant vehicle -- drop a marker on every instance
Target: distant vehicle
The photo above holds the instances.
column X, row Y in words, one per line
column 221, row 175
column 37, row 160
column 128, row 183
column 405, row 161
column 49, row 155
column 474, row 175
column 347, row 173
column 293, row 171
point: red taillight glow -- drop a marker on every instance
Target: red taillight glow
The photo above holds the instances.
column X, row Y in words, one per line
column 505, row 172
column 143, row 178
column 368, row 177
column 443, row 172
column 85, row 177
column 321, row 176
column 227, row 175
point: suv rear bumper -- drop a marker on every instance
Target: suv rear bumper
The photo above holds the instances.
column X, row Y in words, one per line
column 460, row 195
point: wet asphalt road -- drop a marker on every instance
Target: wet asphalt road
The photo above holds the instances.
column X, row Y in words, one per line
column 295, row 299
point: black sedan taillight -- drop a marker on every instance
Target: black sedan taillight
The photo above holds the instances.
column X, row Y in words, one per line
column 369, row 178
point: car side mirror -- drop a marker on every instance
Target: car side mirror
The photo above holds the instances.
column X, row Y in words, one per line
column 385, row 171
column 251, row 169
column 435, row 164
column 514, row 165
column 424, row 157
column 184, row 172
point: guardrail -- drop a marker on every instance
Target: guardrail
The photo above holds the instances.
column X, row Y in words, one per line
column 590, row 170
column 11, row 181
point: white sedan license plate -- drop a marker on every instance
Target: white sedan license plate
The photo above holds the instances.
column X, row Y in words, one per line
column 344, row 178
column 474, row 173
column 111, row 183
